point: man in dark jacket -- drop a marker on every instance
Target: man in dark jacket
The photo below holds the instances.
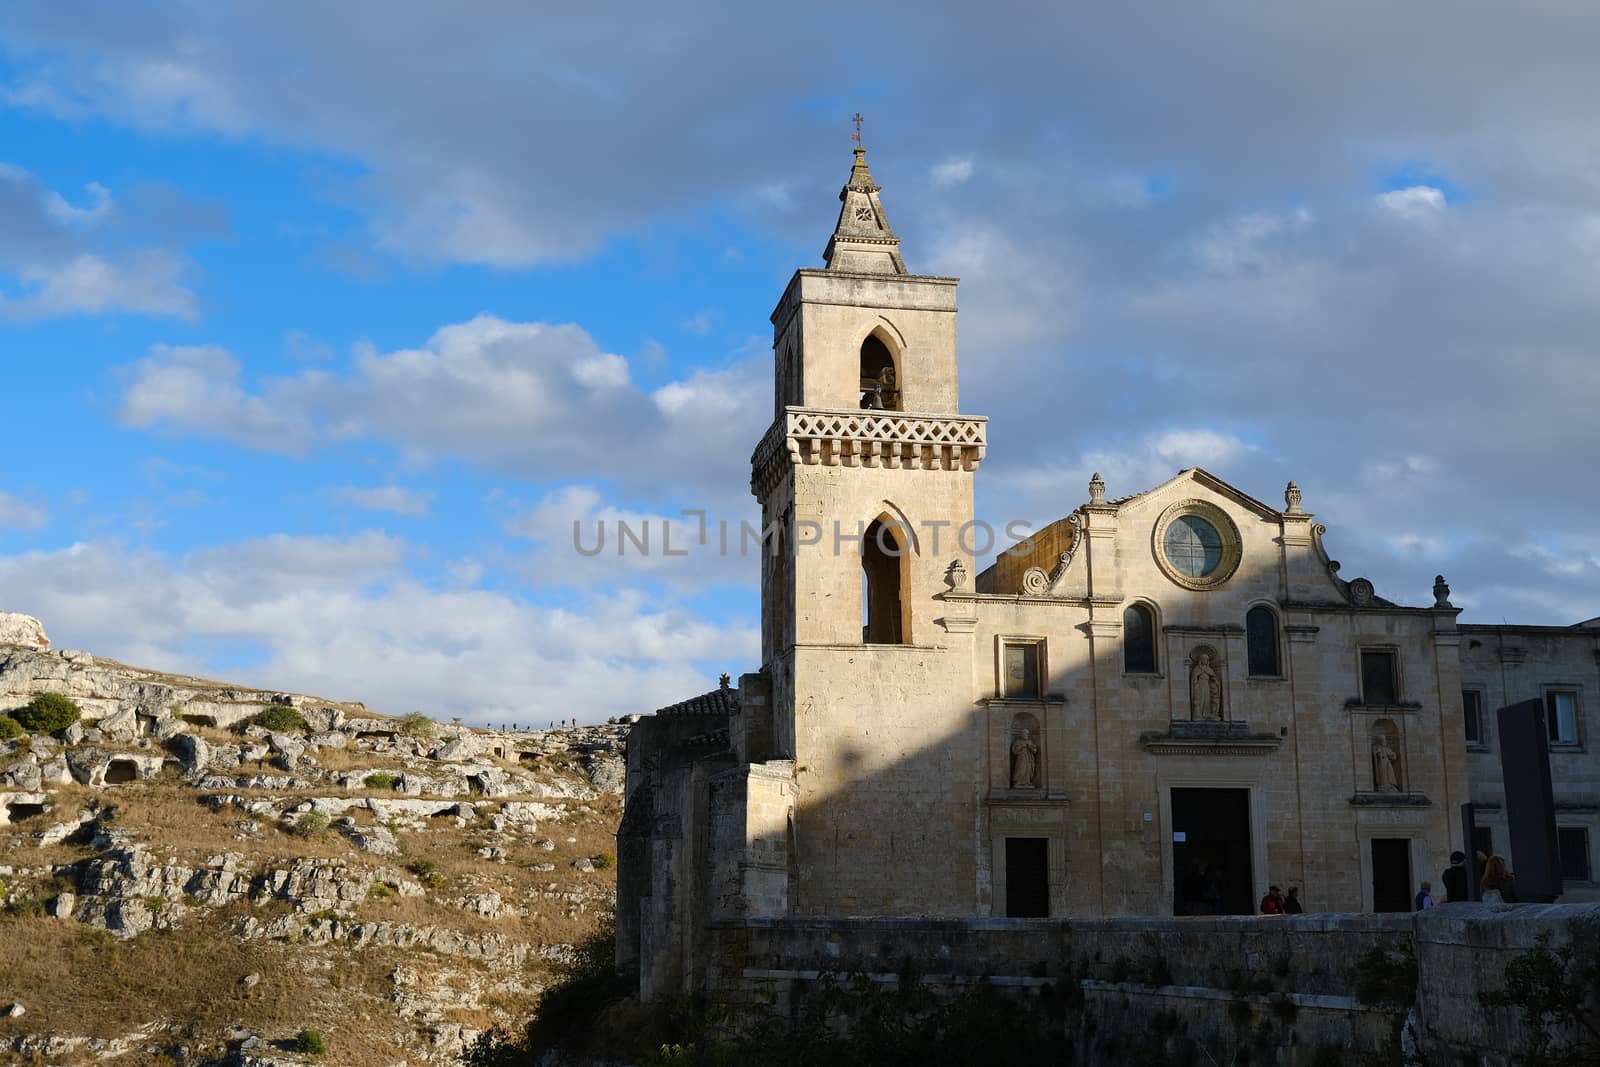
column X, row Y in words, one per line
column 1455, row 879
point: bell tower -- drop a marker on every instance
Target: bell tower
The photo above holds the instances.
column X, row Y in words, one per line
column 867, row 472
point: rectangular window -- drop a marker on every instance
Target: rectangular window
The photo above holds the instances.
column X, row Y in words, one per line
column 1022, row 669
column 1380, row 683
column 1572, row 842
column 1472, row 712
column 1561, row 716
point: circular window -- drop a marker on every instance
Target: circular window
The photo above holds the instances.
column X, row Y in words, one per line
column 1193, row 546
column 1196, row 544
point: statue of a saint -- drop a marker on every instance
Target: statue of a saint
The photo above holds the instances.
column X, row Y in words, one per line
column 1384, row 777
column 1024, row 761
column 1205, row 690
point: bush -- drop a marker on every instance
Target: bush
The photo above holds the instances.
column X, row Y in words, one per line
column 427, row 871
column 603, row 861
column 280, row 718
column 47, row 713
column 381, row 780
column 415, row 725
column 310, row 823
column 9, row 728
column 310, row 1043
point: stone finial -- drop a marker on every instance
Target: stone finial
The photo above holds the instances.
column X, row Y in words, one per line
column 1097, row 489
column 1291, row 500
column 1441, row 592
column 725, row 681
column 956, row 576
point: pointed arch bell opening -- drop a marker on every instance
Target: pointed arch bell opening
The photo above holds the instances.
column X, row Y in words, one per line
column 880, row 375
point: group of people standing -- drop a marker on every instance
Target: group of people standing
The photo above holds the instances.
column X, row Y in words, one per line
column 1497, row 886
column 1277, row 903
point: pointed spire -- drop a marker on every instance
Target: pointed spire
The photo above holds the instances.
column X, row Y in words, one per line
column 862, row 241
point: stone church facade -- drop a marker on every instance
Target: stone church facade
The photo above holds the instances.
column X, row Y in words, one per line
column 1159, row 704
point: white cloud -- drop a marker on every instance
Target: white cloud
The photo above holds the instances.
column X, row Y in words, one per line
column 343, row 619
column 1413, row 202
column 64, row 259
column 533, row 398
column 953, row 171
column 200, row 389
column 17, row 514
column 395, row 498
column 145, row 284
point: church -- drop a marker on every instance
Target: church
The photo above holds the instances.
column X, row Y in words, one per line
column 1160, row 704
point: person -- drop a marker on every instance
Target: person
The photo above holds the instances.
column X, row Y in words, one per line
column 1424, row 898
column 1291, row 903
column 1455, row 878
column 1272, row 903
column 1498, row 886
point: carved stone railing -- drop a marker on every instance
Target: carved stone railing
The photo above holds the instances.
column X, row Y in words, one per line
column 845, row 437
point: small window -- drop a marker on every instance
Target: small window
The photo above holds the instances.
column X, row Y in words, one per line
column 1379, row 681
column 1572, row 843
column 1561, row 716
column 1139, row 640
column 1472, row 715
column 1261, row 633
column 1022, row 669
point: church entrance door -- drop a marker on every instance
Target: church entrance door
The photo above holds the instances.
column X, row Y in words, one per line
column 1027, row 877
column 1391, row 874
column 1211, row 852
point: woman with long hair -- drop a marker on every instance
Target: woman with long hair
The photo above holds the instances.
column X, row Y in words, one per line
column 1497, row 885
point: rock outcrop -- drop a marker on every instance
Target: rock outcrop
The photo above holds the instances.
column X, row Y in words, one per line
column 332, row 856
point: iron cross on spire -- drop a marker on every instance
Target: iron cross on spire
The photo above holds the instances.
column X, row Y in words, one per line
column 856, row 118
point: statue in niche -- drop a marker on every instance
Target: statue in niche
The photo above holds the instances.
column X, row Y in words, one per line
column 1205, row 690
column 1024, row 761
column 1385, row 776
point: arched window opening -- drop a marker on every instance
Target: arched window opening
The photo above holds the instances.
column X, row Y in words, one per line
column 880, row 390
column 1261, row 638
column 1139, row 640
column 885, row 561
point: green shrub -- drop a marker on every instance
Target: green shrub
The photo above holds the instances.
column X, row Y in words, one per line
column 29, row 907
column 603, row 861
column 47, row 713
column 310, row 824
column 416, row 725
column 381, row 780
column 427, row 871
column 9, row 728
column 310, row 1043
column 280, row 718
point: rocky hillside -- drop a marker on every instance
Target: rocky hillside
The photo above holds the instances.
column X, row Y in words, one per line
column 180, row 885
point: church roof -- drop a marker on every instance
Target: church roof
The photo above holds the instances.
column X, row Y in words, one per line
column 863, row 241
column 723, row 701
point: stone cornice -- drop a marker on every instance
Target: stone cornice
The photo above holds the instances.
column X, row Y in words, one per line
column 1367, row 799
column 843, row 437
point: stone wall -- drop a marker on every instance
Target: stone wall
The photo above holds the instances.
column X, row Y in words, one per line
column 1286, row 984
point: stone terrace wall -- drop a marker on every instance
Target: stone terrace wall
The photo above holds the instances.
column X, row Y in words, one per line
column 1463, row 950
column 1285, row 985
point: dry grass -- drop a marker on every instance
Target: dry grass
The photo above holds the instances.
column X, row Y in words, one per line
column 76, row 981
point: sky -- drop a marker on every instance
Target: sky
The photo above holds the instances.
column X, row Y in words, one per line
column 321, row 325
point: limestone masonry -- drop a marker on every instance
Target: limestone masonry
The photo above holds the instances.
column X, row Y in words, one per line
column 1159, row 705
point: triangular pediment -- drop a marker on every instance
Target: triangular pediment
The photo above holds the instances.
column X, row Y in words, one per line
column 1197, row 476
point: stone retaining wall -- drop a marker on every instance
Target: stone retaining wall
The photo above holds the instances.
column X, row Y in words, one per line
column 1286, row 986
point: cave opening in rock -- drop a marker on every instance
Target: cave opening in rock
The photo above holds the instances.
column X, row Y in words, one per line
column 121, row 770
column 19, row 810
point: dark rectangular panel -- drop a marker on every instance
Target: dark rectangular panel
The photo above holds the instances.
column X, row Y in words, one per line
column 1391, row 874
column 1027, row 877
column 1530, row 801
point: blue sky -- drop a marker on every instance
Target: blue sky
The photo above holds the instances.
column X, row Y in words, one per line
column 314, row 345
